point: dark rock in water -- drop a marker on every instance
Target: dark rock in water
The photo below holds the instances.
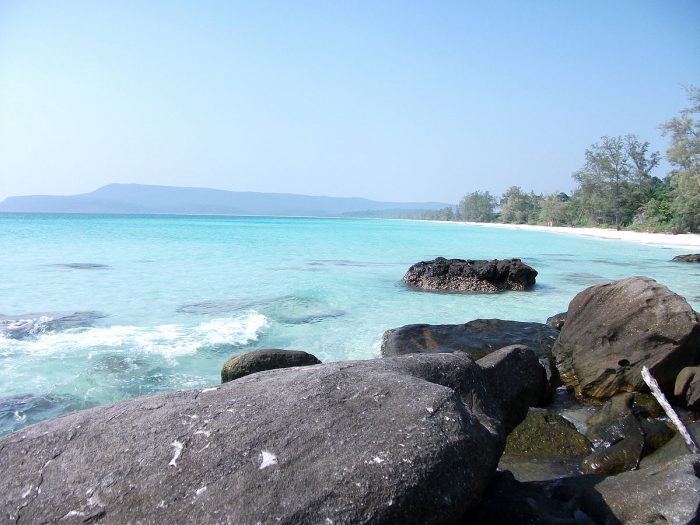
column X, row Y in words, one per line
column 517, row 379
column 625, row 434
column 615, row 409
column 413, row 439
column 620, row 451
column 19, row 411
column 691, row 257
column 459, row 275
column 476, row 338
column 82, row 266
column 614, row 329
column 675, row 448
column 557, row 321
column 265, row 359
column 29, row 325
column 687, row 387
column 668, row 493
column 543, row 435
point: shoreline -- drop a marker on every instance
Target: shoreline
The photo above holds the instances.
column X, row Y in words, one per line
column 681, row 240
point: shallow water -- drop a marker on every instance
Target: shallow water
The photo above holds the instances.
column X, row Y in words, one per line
column 100, row 308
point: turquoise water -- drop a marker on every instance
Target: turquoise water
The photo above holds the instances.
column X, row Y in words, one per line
column 158, row 303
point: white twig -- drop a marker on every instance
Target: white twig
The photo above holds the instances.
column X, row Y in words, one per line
column 656, row 391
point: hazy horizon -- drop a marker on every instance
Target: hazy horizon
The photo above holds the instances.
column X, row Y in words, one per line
column 396, row 101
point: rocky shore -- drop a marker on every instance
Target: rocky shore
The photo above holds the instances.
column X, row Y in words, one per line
column 491, row 421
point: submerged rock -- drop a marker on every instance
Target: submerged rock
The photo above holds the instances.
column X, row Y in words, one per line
column 614, row 329
column 23, row 326
column 265, row 359
column 21, row 410
column 477, row 339
column 691, row 257
column 460, row 275
column 413, row 439
column 546, row 436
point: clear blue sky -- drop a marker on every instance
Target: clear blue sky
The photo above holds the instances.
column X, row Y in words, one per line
column 385, row 100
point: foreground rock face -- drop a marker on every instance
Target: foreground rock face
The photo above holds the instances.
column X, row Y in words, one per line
column 266, row 359
column 691, row 257
column 459, row 275
column 476, row 338
column 614, row 329
column 413, row 439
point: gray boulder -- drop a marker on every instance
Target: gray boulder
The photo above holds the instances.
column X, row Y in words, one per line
column 265, row 359
column 687, row 387
column 615, row 328
column 460, row 275
column 477, row 339
column 412, row 439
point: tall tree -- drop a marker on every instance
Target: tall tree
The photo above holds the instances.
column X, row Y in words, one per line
column 478, row 207
column 516, row 206
column 614, row 170
column 684, row 156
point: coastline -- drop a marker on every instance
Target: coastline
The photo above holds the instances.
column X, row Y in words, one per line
column 681, row 240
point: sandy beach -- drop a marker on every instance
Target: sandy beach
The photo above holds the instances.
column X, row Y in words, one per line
column 689, row 241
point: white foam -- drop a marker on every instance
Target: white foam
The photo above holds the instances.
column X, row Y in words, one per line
column 167, row 339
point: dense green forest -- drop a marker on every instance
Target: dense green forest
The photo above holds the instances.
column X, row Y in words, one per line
column 617, row 186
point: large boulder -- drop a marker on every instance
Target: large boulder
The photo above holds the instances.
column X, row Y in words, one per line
column 460, row 275
column 614, row 329
column 477, row 339
column 265, row 359
column 412, row 439
column 691, row 257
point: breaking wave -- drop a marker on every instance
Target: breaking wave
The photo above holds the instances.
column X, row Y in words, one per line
column 166, row 339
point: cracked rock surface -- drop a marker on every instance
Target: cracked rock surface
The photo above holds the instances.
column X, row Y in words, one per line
column 412, row 439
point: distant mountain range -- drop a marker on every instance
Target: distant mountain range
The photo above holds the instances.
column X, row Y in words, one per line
column 146, row 199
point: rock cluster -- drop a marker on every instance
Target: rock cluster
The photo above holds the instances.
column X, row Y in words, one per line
column 460, row 275
column 413, row 437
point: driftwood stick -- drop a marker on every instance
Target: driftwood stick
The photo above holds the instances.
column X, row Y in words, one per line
column 656, row 391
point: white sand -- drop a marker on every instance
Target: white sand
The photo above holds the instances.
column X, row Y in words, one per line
column 685, row 240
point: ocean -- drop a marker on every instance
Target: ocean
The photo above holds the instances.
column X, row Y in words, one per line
column 98, row 308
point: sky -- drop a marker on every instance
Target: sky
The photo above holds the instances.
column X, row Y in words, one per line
column 394, row 101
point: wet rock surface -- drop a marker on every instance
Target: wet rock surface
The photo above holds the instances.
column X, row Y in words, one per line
column 477, row 339
column 468, row 275
column 412, row 439
column 614, row 329
column 265, row 359
column 546, row 436
column 557, row 321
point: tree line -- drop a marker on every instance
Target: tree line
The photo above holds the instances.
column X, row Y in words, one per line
column 617, row 186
